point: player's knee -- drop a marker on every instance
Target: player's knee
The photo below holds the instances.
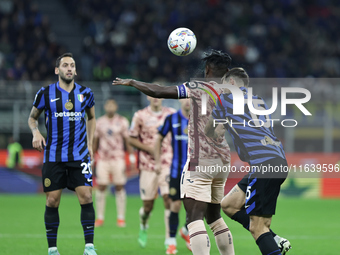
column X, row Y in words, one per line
column 86, row 198
column 119, row 188
column 52, row 201
column 227, row 208
column 148, row 207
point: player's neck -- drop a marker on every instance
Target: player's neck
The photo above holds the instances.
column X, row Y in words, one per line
column 66, row 86
column 156, row 108
column 110, row 115
column 185, row 113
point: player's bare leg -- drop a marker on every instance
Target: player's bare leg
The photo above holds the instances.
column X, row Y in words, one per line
column 121, row 204
column 100, row 204
column 144, row 214
column 84, row 194
column 199, row 239
column 259, row 229
column 223, row 237
column 52, row 219
column 233, row 206
column 233, row 201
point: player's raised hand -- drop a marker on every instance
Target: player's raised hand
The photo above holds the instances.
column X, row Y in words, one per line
column 119, row 81
column 38, row 141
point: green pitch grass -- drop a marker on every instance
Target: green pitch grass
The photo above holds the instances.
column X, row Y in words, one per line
column 312, row 226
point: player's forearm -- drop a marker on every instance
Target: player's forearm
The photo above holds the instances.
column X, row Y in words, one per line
column 158, row 147
column 33, row 125
column 139, row 145
column 155, row 90
column 90, row 128
column 33, row 120
column 95, row 144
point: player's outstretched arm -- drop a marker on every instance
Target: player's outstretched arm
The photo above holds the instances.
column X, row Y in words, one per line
column 150, row 89
column 38, row 140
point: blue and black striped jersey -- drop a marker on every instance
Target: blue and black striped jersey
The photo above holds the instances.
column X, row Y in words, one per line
column 253, row 135
column 65, row 121
column 177, row 124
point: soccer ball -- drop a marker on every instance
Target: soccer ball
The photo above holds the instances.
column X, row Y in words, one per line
column 182, row 41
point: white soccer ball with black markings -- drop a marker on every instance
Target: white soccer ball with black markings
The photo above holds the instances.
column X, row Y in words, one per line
column 182, row 41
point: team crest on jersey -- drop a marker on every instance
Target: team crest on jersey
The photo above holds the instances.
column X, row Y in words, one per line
column 69, row 105
column 80, row 98
column 186, row 130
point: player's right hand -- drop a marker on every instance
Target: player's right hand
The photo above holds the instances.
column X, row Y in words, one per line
column 158, row 167
column 38, row 142
column 119, row 81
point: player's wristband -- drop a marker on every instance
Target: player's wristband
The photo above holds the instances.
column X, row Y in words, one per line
column 182, row 91
column 132, row 158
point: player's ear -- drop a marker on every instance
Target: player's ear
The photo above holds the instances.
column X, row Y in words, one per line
column 56, row 70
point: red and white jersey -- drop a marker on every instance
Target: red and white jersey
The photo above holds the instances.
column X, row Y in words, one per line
column 111, row 133
column 199, row 145
column 144, row 126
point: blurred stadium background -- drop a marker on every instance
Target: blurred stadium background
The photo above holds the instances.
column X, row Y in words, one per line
column 126, row 38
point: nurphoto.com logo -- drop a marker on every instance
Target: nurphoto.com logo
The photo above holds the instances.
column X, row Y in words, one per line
column 256, row 106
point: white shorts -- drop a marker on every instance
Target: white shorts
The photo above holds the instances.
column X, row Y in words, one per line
column 201, row 186
column 115, row 168
column 149, row 182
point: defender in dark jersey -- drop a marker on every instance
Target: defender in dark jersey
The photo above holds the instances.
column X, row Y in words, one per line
column 177, row 124
column 256, row 144
column 67, row 149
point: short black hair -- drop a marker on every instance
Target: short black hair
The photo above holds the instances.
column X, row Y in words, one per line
column 218, row 61
column 239, row 73
column 68, row 54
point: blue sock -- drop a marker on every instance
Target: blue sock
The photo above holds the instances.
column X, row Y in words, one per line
column 173, row 223
column 267, row 244
column 87, row 218
column 51, row 224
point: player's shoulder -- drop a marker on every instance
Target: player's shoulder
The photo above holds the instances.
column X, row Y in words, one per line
column 47, row 87
column 101, row 119
column 169, row 110
column 82, row 88
column 121, row 118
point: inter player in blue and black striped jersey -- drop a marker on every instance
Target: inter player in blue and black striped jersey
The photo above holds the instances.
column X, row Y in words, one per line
column 255, row 143
column 177, row 124
column 67, row 149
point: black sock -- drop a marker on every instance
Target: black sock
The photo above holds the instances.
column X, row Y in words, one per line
column 173, row 223
column 267, row 244
column 51, row 225
column 243, row 218
column 273, row 234
column 87, row 218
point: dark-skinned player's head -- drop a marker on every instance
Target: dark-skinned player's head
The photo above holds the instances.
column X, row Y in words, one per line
column 216, row 63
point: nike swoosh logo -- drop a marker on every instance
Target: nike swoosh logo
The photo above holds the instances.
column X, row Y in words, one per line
column 176, row 125
column 48, row 230
column 89, row 227
column 52, row 100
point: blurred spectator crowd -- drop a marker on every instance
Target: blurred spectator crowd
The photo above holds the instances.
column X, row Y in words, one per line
column 126, row 38
column 27, row 47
